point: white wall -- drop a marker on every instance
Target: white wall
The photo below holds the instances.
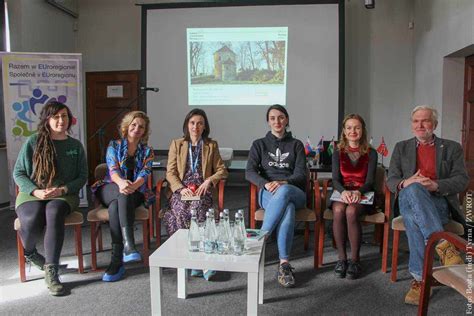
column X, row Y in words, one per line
column 109, row 34
column 452, row 103
column 36, row 26
column 379, row 67
column 441, row 28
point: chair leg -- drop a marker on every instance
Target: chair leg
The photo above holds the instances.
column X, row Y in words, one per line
column 78, row 236
column 21, row 257
column 321, row 243
column 146, row 243
column 99, row 237
column 425, row 296
column 150, row 223
column 316, row 245
column 386, row 234
column 93, row 245
column 306, row 235
column 396, row 240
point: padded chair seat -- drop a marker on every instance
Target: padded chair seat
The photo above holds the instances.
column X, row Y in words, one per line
column 451, row 226
column 302, row 215
column 453, row 276
column 377, row 218
column 75, row 218
column 101, row 214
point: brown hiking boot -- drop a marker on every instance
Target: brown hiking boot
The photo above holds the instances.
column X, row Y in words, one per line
column 414, row 294
column 448, row 255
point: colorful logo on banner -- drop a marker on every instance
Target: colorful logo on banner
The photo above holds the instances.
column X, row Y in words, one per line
column 27, row 109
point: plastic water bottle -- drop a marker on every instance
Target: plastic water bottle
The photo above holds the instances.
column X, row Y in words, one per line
column 210, row 233
column 222, row 237
column 193, row 235
column 228, row 228
column 242, row 223
column 238, row 236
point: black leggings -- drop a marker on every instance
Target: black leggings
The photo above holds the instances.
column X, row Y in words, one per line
column 34, row 216
column 121, row 208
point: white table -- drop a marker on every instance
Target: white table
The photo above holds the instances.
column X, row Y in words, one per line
column 174, row 253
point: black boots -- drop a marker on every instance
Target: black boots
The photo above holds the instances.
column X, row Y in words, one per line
column 115, row 270
column 34, row 258
column 51, row 277
column 130, row 252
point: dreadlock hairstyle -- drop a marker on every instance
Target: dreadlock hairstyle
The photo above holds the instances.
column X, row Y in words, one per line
column 44, row 155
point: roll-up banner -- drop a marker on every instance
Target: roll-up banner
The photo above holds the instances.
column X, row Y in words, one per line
column 30, row 80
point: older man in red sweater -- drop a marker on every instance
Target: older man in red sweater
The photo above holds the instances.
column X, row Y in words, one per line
column 426, row 174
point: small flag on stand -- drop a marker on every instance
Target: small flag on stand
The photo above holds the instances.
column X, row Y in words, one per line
column 331, row 147
column 308, row 149
column 382, row 149
column 320, row 147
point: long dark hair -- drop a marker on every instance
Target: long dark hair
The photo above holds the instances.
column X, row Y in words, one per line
column 44, row 155
column 207, row 128
column 280, row 108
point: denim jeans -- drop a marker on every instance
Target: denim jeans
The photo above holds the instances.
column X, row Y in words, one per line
column 423, row 214
column 280, row 214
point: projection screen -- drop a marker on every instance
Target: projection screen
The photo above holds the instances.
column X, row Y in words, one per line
column 250, row 57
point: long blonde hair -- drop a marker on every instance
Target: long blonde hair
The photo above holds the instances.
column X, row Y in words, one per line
column 363, row 143
column 128, row 119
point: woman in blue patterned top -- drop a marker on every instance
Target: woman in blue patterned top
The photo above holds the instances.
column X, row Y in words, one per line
column 129, row 164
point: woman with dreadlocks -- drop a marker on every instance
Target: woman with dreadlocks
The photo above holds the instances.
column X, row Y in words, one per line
column 50, row 170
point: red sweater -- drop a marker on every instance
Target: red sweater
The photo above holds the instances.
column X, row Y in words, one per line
column 426, row 160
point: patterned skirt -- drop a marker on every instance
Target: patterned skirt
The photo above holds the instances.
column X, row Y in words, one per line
column 178, row 215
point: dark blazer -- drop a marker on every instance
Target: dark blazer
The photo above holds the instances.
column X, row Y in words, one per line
column 450, row 171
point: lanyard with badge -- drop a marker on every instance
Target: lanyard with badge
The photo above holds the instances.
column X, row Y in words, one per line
column 193, row 162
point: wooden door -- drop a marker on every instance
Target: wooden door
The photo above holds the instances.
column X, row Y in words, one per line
column 109, row 94
column 468, row 119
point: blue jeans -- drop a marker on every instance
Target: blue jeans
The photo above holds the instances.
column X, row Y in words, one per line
column 423, row 214
column 280, row 214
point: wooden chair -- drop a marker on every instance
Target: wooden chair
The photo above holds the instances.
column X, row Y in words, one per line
column 456, row 276
column 398, row 226
column 310, row 214
column 381, row 218
column 162, row 187
column 74, row 219
column 100, row 215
